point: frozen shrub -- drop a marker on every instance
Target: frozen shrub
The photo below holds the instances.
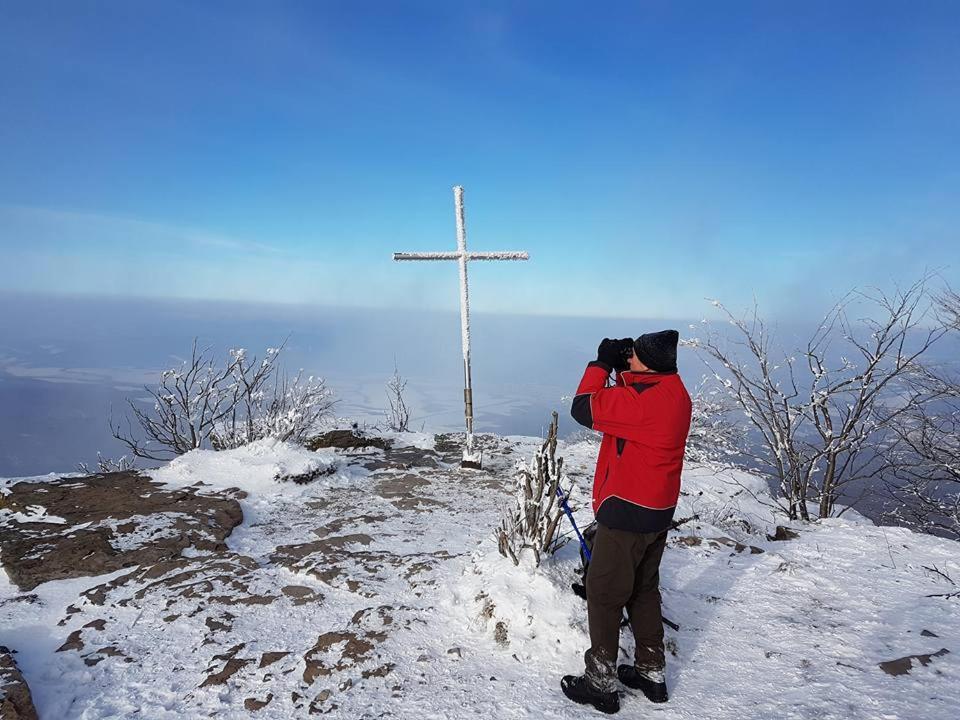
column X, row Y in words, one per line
column 205, row 404
column 107, row 465
column 531, row 522
column 398, row 414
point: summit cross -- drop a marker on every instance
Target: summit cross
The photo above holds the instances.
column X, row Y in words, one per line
column 471, row 458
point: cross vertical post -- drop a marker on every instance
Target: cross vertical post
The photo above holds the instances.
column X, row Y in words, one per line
column 464, row 313
column 471, row 458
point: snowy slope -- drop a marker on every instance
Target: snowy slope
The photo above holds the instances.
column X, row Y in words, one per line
column 377, row 591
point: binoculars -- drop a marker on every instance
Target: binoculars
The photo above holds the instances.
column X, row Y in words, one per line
column 626, row 347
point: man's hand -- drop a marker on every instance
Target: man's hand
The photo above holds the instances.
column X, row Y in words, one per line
column 611, row 352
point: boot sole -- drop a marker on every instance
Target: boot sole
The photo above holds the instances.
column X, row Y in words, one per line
column 579, row 701
column 607, row 711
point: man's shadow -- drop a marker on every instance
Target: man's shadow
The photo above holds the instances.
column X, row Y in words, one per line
column 694, row 604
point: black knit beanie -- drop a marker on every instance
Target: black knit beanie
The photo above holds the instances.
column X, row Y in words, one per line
column 658, row 351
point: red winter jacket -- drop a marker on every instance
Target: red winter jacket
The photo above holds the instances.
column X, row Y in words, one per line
column 644, row 418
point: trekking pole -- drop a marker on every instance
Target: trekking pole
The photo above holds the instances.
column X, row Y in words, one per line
column 569, row 513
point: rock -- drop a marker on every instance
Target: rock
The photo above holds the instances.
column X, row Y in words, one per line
column 902, row 666
column 224, row 622
column 308, row 476
column 353, row 649
column 230, row 668
column 783, row 533
column 500, row 635
column 112, row 521
column 346, row 440
column 203, row 582
column 449, row 443
column 301, row 595
column 402, row 491
column 252, row 704
column 928, row 633
column 716, row 542
column 16, row 703
column 73, row 642
column 402, row 457
column 269, row 658
column 381, row 671
column 94, row 658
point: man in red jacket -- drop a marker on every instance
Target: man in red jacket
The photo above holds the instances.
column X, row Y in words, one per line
column 644, row 417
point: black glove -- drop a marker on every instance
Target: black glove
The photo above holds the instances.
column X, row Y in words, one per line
column 609, row 353
column 615, row 353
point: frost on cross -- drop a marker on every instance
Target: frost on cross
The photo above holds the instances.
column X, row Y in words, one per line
column 472, row 457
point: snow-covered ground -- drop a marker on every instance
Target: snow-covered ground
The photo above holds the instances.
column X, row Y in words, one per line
column 376, row 590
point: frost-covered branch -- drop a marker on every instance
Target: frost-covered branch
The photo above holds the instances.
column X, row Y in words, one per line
column 715, row 436
column 532, row 522
column 925, row 462
column 203, row 404
column 107, row 465
column 398, row 413
column 829, row 422
column 857, row 400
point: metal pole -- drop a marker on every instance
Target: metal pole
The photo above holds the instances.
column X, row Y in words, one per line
column 569, row 513
column 464, row 312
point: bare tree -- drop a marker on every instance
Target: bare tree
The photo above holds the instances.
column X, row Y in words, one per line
column 826, row 424
column 768, row 394
column 201, row 404
column 269, row 404
column 532, row 521
column 855, row 404
column 949, row 305
column 398, row 414
column 715, row 436
column 925, row 482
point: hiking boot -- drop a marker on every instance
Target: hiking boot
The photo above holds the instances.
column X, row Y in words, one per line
column 650, row 681
column 578, row 689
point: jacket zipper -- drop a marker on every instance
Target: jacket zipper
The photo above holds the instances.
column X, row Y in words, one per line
column 606, row 475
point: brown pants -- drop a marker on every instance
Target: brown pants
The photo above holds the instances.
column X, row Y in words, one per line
column 624, row 573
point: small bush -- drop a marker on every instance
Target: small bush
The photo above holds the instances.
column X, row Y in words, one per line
column 398, row 414
column 532, row 521
column 205, row 404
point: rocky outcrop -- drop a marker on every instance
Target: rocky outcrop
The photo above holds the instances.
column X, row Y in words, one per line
column 319, row 601
column 15, row 700
column 902, row 666
column 75, row 527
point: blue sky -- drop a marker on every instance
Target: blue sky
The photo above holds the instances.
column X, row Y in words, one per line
column 648, row 154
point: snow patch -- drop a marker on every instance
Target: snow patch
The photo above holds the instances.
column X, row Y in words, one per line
column 255, row 468
column 33, row 514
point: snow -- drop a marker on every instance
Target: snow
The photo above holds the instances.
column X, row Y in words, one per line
column 254, row 467
column 147, row 528
column 28, row 623
column 34, row 514
column 795, row 630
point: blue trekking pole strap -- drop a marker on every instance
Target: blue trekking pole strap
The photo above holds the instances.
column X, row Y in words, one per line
column 566, row 509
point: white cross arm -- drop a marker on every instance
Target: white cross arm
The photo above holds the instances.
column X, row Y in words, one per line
column 507, row 255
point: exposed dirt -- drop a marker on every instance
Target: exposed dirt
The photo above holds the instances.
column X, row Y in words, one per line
column 16, row 703
column 104, row 528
